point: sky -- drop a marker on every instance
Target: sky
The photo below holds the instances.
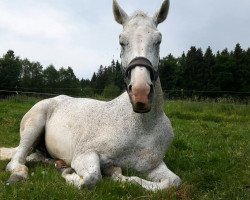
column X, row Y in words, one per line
column 83, row 34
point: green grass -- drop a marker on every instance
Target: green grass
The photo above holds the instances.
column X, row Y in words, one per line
column 210, row 153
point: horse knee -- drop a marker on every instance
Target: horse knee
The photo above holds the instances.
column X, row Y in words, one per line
column 90, row 180
column 88, row 166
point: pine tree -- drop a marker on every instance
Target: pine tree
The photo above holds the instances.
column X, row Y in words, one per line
column 193, row 69
column 168, row 67
column 51, row 78
column 207, row 70
column 119, row 80
column 10, row 71
column 222, row 75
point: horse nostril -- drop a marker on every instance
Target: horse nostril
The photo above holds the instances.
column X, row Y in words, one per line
column 130, row 88
column 151, row 89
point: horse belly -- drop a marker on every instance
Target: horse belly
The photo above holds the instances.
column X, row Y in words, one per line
column 59, row 142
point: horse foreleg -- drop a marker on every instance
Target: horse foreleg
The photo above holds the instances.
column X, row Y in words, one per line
column 72, row 178
column 160, row 178
column 84, row 170
column 87, row 167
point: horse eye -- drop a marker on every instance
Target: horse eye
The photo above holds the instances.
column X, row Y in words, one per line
column 158, row 39
column 158, row 42
column 123, row 44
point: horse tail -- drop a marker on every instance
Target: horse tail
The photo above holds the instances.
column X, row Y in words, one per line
column 7, row 153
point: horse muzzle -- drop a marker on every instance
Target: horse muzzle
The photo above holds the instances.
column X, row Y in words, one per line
column 140, row 84
column 141, row 107
column 141, row 98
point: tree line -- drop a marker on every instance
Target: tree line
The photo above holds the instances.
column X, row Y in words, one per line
column 25, row 75
column 206, row 74
column 203, row 74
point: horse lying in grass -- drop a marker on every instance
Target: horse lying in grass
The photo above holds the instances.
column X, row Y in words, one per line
column 96, row 138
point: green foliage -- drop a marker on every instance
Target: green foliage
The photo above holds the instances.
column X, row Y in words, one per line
column 87, row 91
column 68, row 82
column 31, row 74
column 196, row 71
column 192, row 69
column 51, row 77
column 107, row 76
column 210, row 152
column 27, row 76
column 10, row 70
column 111, row 91
column 168, row 68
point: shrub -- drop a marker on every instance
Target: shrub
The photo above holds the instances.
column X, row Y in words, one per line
column 111, row 91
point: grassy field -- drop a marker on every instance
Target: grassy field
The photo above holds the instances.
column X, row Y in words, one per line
column 210, row 152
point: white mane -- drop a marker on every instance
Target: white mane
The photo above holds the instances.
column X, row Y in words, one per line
column 139, row 13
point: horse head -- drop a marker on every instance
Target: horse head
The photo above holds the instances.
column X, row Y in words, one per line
column 140, row 46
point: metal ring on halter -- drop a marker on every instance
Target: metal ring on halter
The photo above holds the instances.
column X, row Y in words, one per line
column 142, row 62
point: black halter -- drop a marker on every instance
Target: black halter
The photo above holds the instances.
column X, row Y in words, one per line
column 142, row 62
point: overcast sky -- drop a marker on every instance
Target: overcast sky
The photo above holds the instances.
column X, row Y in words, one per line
column 83, row 34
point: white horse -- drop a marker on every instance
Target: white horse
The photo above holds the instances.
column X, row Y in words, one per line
column 98, row 138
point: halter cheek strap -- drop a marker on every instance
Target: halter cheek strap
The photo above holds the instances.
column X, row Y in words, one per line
column 142, row 62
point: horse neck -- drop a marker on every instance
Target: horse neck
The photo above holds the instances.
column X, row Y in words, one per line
column 157, row 105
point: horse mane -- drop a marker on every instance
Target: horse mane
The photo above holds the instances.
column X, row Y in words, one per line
column 139, row 13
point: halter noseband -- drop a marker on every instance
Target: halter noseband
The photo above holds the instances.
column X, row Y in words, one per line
column 142, row 62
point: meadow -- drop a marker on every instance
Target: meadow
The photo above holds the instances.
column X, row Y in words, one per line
column 210, row 153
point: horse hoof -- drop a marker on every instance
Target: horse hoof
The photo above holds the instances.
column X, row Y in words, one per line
column 14, row 178
column 177, row 182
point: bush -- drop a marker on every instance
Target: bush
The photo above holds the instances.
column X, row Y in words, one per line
column 111, row 91
column 87, row 92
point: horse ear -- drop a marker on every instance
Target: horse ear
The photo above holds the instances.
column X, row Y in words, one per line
column 162, row 14
column 119, row 14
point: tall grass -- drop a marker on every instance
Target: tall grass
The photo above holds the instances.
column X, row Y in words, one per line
column 210, row 153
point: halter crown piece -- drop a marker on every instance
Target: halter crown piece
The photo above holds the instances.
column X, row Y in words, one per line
column 142, row 62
